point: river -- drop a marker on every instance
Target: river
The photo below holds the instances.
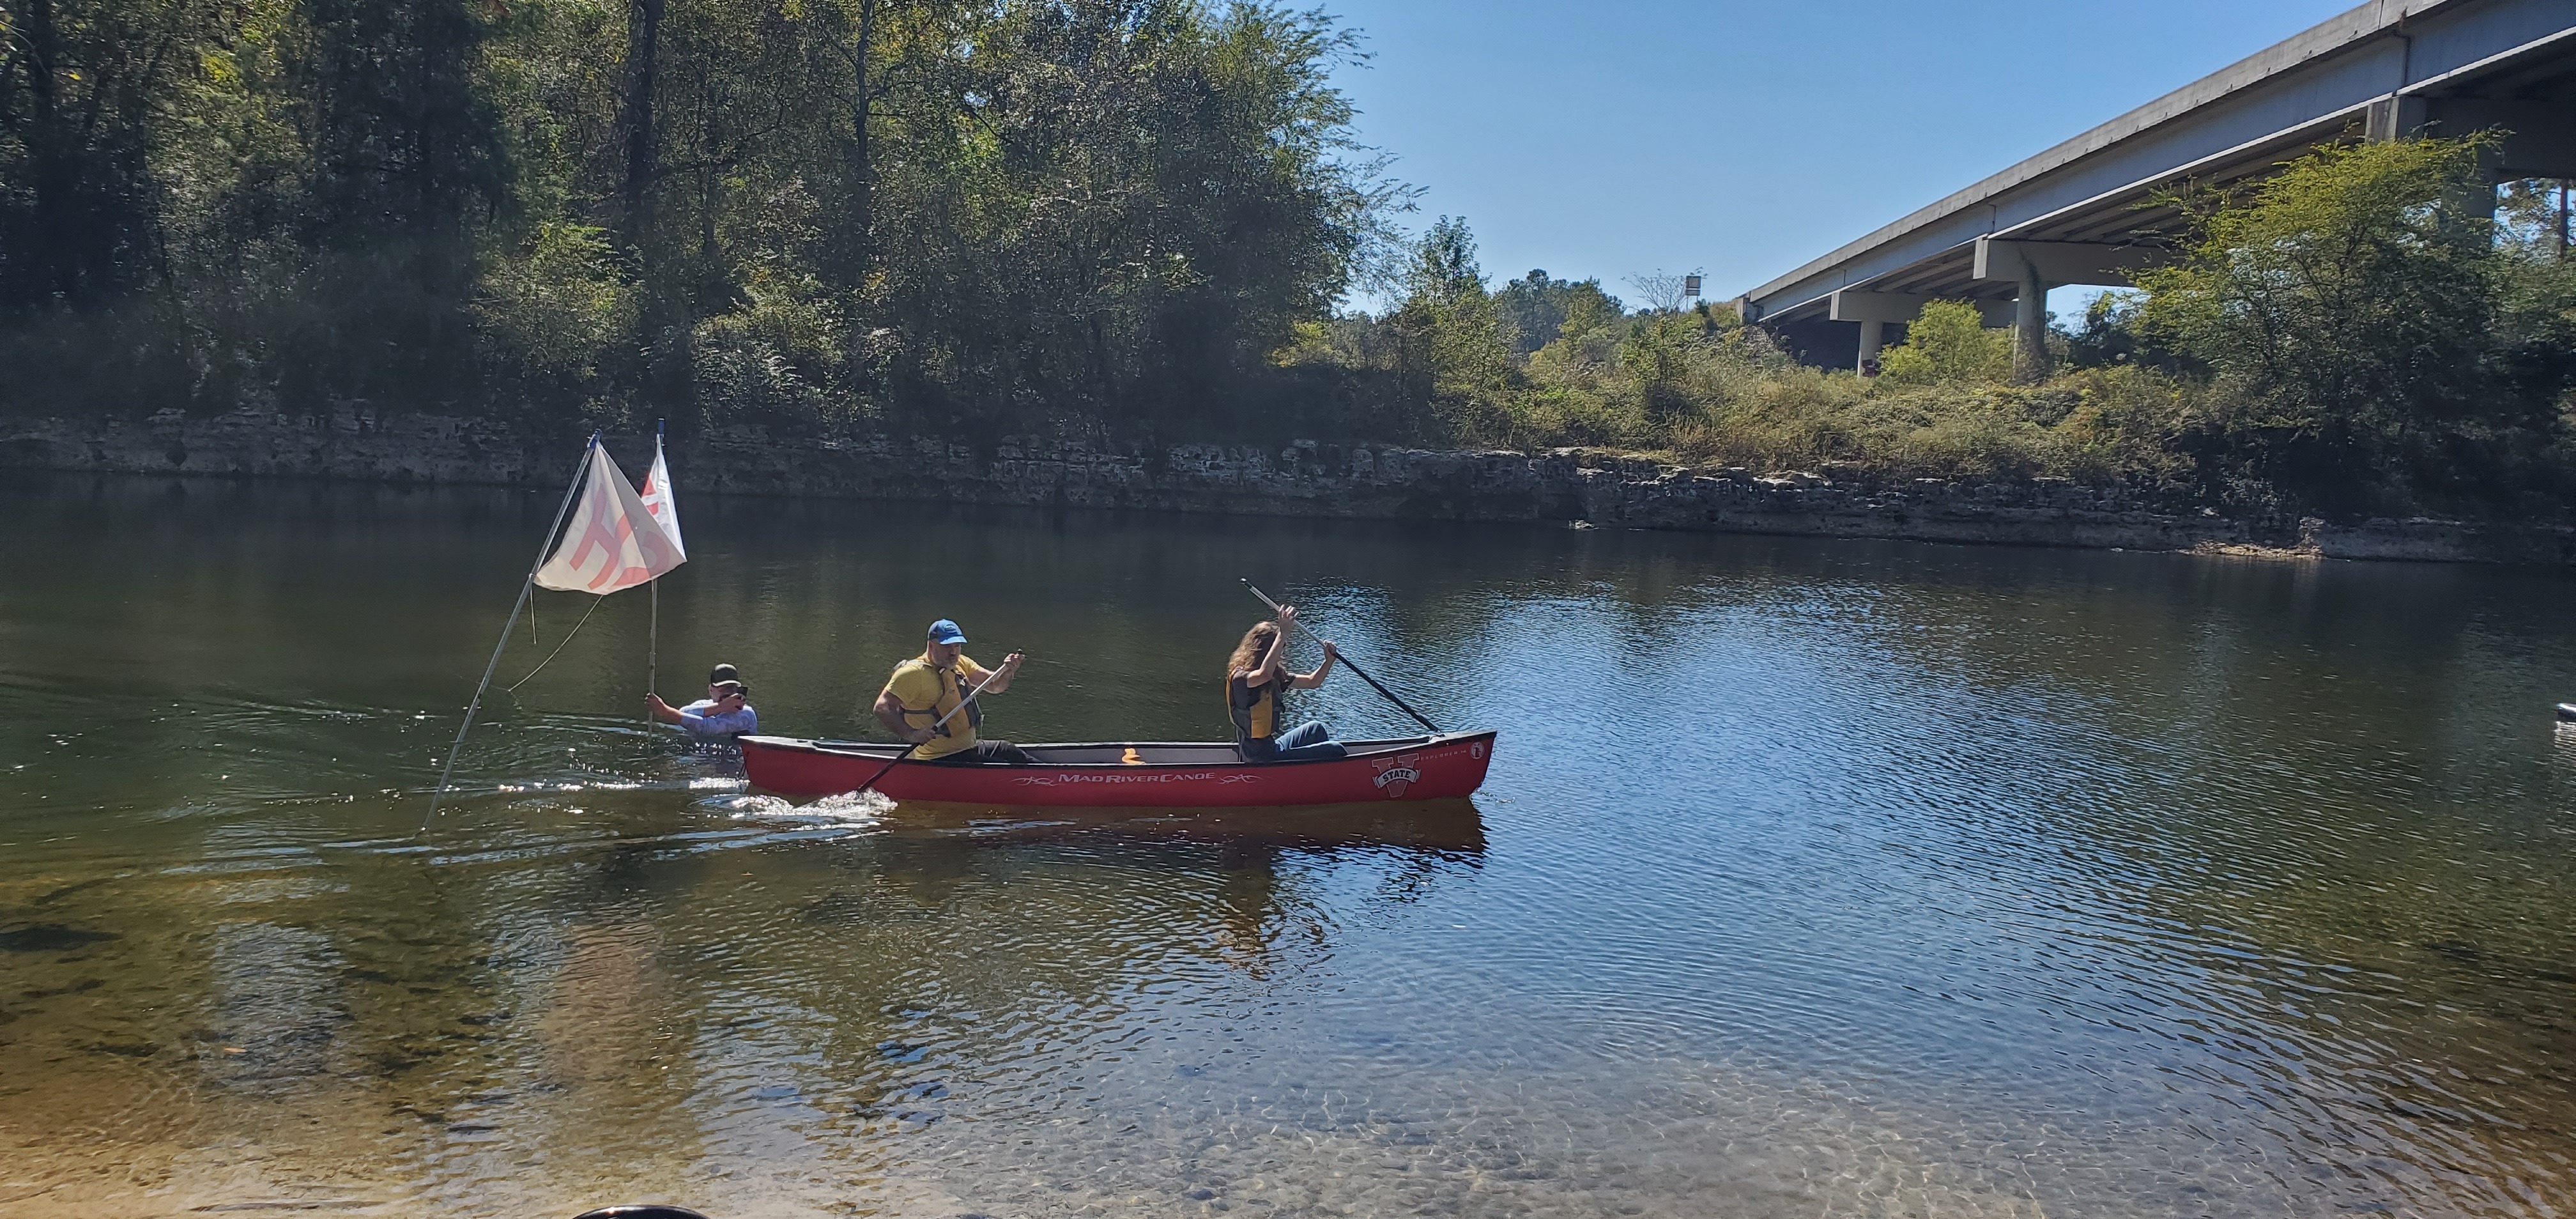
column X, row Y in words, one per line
column 1813, row 877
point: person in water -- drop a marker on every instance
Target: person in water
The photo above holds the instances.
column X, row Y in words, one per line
column 724, row 712
column 937, row 682
column 1255, row 676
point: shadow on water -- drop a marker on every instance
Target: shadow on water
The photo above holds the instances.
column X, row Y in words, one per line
column 50, row 937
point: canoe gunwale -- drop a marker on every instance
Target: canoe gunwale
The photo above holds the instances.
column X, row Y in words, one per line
column 1422, row 767
column 882, row 751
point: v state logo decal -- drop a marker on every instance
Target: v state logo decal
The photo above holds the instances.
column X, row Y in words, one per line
column 1397, row 773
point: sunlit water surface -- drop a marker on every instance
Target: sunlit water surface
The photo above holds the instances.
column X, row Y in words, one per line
column 1812, row 878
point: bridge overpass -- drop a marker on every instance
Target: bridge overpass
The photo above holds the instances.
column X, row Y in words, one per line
column 2081, row 212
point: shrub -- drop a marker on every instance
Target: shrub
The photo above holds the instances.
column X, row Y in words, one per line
column 556, row 313
column 2364, row 330
column 1948, row 344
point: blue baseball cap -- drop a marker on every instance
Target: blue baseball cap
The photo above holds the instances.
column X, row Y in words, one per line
column 945, row 631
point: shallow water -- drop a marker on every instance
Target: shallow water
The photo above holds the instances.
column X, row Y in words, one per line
column 1812, row 878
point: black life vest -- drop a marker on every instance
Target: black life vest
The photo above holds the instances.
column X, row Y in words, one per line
column 1255, row 711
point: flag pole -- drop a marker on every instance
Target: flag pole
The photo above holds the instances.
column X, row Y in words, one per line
column 653, row 633
column 525, row 584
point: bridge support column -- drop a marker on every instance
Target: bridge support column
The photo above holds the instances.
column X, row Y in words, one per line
column 2536, row 140
column 2030, row 328
column 2033, row 266
column 1876, row 311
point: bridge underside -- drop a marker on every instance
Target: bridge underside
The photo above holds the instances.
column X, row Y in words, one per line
column 2092, row 210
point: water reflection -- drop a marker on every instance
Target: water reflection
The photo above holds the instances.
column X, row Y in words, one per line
column 1812, row 877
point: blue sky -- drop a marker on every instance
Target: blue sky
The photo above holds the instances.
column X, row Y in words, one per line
column 1614, row 137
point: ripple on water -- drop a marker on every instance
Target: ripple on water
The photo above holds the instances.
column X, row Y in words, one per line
column 1811, row 879
column 857, row 810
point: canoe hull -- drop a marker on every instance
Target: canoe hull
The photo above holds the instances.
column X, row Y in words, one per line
column 1185, row 775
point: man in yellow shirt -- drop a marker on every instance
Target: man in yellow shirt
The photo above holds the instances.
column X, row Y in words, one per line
column 932, row 685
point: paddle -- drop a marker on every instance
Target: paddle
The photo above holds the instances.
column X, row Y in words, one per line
column 934, row 732
column 1345, row 657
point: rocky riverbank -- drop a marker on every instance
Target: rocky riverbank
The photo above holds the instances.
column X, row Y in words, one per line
column 1300, row 479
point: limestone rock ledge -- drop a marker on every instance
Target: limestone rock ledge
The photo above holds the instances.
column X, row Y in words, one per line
column 1300, row 479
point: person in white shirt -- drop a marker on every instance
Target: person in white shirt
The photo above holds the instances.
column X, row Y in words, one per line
column 724, row 712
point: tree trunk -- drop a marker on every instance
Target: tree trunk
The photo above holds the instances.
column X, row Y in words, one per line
column 862, row 172
column 42, row 49
column 707, row 213
column 643, row 43
column 52, row 172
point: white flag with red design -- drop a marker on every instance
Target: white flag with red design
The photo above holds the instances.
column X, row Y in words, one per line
column 613, row 541
column 656, row 494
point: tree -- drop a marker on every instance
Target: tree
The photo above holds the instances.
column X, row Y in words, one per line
column 932, row 215
column 1453, row 347
column 406, row 141
column 635, row 117
column 80, row 83
column 1663, row 291
column 1536, row 309
column 2354, row 309
column 1948, row 343
column 1444, row 263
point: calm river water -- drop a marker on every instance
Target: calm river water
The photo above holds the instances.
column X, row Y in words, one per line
column 1812, row 878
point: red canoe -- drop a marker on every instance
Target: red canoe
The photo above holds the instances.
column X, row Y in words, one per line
column 1440, row 767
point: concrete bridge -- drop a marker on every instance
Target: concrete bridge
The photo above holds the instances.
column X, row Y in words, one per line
column 2074, row 215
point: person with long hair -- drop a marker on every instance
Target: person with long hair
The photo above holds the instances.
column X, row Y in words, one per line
column 1255, row 676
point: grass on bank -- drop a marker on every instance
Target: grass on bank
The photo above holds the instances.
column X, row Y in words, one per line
column 1700, row 388
column 2353, row 336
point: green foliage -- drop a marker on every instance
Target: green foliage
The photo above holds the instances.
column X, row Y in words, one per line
column 938, row 214
column 2110, row 336
column 1948, row 344
column 1537, row 309
column 1131, row 216
column 1134, row 204
column 2374, row 345
column 559, row 309
column 1468, row 352
column 1700, row 386
column 1444, row 269
column 79, row 86
column 405, row 140
column 2348, row 338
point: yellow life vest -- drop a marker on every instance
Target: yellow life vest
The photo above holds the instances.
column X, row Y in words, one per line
column 1255, row 712
column 928, row 692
